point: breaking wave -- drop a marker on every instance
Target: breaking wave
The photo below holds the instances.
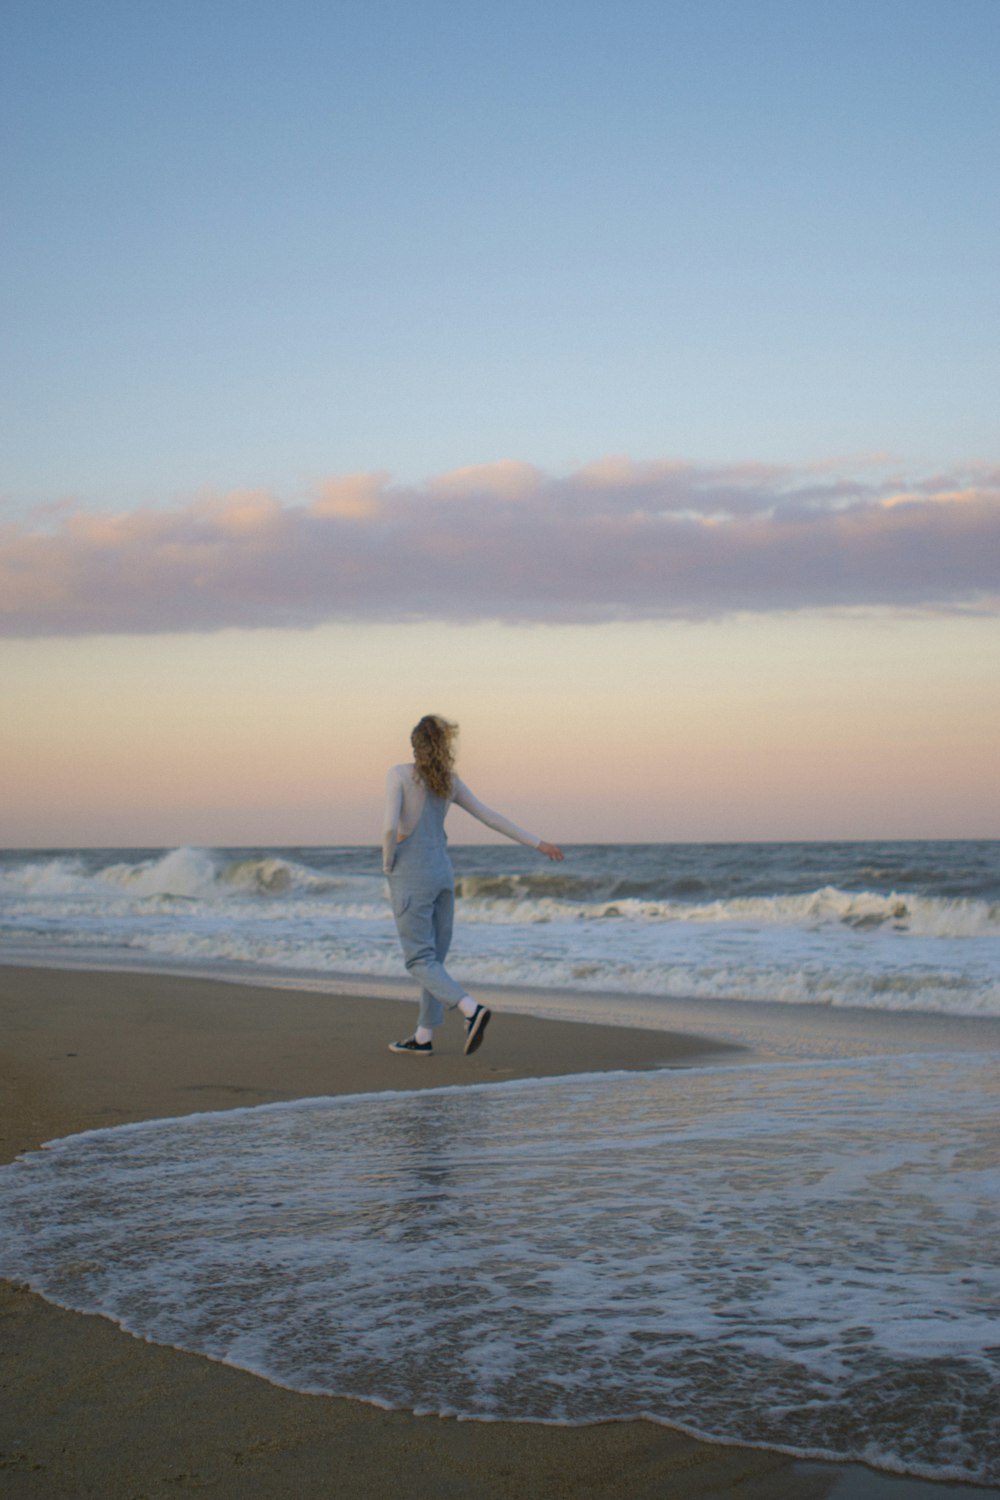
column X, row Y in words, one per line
column 886, row 927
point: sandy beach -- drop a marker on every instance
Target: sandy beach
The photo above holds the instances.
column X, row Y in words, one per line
column 91, row 1411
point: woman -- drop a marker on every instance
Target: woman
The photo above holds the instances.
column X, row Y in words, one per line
column 421, row 880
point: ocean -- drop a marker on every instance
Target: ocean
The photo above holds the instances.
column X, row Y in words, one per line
column 797, row 1246
column 882, row 926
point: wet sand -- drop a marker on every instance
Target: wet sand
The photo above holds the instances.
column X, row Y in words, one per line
column 89, row 1411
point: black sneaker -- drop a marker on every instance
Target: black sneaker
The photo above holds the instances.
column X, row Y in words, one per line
column 422, row 1049
column 475, row 1027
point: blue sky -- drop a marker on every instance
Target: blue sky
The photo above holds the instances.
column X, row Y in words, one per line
column 252, row 244
column 618, row 380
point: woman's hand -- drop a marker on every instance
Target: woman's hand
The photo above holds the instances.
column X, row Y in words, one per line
column 551, row 851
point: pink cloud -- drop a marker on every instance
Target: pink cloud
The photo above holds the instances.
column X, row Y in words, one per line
column 352, row 497
column 504, row 480
column 616, row 540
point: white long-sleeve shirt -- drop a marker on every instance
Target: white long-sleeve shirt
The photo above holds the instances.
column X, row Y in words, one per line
column 404, row 802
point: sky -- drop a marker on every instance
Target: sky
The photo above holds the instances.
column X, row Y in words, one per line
column 618, row 380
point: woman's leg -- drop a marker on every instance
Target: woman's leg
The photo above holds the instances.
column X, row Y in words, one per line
column 443, row 919
column 431, row 1011
column 476, row 1015
column 444, row 922
column 424, row 922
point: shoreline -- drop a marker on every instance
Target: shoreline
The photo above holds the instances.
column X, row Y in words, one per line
column 90, row 1410
column 770, row 1030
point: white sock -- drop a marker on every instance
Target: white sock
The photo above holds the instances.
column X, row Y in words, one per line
column 468, row 1006
column 423, row 1034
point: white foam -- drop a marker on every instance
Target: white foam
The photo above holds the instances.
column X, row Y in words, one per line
column 827, row 946
column 921, row 915
column 802, row 1255
column 181, row 872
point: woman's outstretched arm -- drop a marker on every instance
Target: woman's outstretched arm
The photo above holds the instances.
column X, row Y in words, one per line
column 465, row 799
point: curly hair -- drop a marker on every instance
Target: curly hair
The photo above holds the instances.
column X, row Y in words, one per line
column 433, row 742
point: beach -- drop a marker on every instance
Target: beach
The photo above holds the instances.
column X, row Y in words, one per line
column 90, row 1410
column 500, row 549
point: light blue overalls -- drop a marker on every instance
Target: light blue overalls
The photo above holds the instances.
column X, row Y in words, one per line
column 422, row 888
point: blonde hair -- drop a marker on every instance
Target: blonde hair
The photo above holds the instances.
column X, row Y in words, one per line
column 433, row 741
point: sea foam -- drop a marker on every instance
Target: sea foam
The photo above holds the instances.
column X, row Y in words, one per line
column 802, row 1256
column 883, row 927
